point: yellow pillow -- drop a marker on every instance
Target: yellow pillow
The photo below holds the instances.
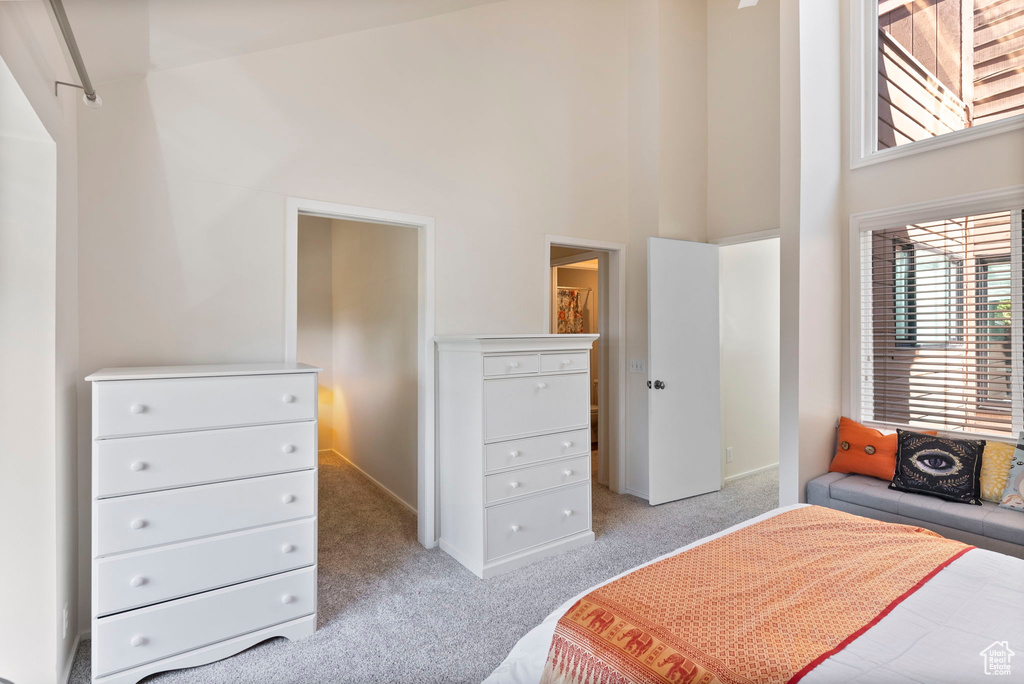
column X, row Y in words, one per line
column 995, row 469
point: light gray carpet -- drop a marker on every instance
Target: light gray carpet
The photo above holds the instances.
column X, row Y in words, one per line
column 392, row 611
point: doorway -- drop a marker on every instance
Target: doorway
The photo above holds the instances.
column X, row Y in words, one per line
column 749, row 287
column 380, row 221
column 588, row 277
column 357, row 322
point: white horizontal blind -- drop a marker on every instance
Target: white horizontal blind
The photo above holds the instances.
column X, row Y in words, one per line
column 942, row 324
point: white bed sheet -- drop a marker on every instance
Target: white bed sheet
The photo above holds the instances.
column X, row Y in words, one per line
column 936, row 635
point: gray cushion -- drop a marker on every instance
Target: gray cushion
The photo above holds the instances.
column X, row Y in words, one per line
column 817, row 489
column 1002, row 523
column 867, row 491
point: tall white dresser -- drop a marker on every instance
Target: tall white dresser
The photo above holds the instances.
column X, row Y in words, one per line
column 204, row 486
column 514, row 430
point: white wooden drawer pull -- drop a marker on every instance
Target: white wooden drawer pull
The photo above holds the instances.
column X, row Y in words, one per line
column 137, row 466
column 288, row 449
column 137, row 581
column 515, row 528
column 137, row 524
column 138, row 408
column 567, row 445
column 513, row 484
column 567, row 472
column 288, row 498
column 287, row 548
column 566, row 362
column 568, row 512
column 288, row 398
column 137, row 641
column 287, row 598
column 542, row 385
column 513, row 365
column 514, row 453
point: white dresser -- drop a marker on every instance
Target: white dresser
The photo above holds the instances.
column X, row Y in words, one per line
column 514, row 429
column 204, row 486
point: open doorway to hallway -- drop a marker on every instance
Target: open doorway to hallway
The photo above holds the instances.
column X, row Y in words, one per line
column 357, row 320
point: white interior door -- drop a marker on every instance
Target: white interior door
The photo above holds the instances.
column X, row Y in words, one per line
column 683, row 369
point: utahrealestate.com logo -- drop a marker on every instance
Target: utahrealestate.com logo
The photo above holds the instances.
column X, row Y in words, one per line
column 997, row 658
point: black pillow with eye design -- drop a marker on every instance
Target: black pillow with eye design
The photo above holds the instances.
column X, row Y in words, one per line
column 943, row 467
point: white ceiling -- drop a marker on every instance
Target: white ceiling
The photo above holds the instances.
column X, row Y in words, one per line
column 123, row 38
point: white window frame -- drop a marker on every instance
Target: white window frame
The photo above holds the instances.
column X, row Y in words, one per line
column 1003, row 199
column 864, row 99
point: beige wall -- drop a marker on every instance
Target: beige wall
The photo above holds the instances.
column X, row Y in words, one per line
column 374, row 384
column 315, row 322
column 504, row 122
column 743, row 118
column 38, row 455
column 749, row 278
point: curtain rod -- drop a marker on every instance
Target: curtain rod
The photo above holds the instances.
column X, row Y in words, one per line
column 90, row 97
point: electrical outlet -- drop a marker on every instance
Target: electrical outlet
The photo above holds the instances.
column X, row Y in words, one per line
column 65, row 622
column 637, row 366
column 728, row 454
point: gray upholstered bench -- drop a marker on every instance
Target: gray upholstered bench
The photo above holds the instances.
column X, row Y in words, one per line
column 987, row 526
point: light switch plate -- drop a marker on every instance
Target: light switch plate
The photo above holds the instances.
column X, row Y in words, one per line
column 637, row 366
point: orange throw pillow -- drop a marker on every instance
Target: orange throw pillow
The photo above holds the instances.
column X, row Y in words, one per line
column 865, row 451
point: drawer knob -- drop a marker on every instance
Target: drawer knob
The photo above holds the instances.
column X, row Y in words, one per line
column 513, row 364
column 515, row 528
column 288, row 398
column 566, row 362
column 567, row 512
column 567, row 472
column 288, row 498
column 567, row 445
column 137, row 641
column 287, row 548
column 287, row 598
column 137, row 581
column 138, row 408
column 288, row 449
column 513, row 484
column 137, row 524
column 137, row 466
column 542, row 385
column 514, row 453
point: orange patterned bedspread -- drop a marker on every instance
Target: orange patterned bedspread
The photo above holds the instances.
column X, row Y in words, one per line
column 762, row 605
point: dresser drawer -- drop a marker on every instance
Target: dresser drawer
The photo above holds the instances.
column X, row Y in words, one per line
column 135, row 407
column 511, row 365
column 141, row 636
column 518, row 452
column 564, row 363
column 520, row 525
column 143, row 520
column 138, row 464
column 515, row 407
column 516, row 483
column 142, row 578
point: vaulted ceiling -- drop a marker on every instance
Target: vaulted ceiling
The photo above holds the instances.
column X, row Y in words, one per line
column 125, row 38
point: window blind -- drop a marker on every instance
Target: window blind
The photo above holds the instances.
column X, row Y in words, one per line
column 942, row 324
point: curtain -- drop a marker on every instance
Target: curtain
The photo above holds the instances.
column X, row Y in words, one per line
column 570, row 316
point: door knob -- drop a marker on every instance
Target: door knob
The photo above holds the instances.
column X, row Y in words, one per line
column 658, row 384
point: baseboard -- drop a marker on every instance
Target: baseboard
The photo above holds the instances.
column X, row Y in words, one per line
column 373, row 480
column 66, row 676
column 755, row 471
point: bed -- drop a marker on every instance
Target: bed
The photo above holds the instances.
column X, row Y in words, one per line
column 956, row 617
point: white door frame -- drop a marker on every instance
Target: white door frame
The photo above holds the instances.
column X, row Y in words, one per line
column 612, row 383
column 426, row 489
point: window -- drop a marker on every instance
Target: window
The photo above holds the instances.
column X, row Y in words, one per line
column 942, row 343
column 935, row 67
